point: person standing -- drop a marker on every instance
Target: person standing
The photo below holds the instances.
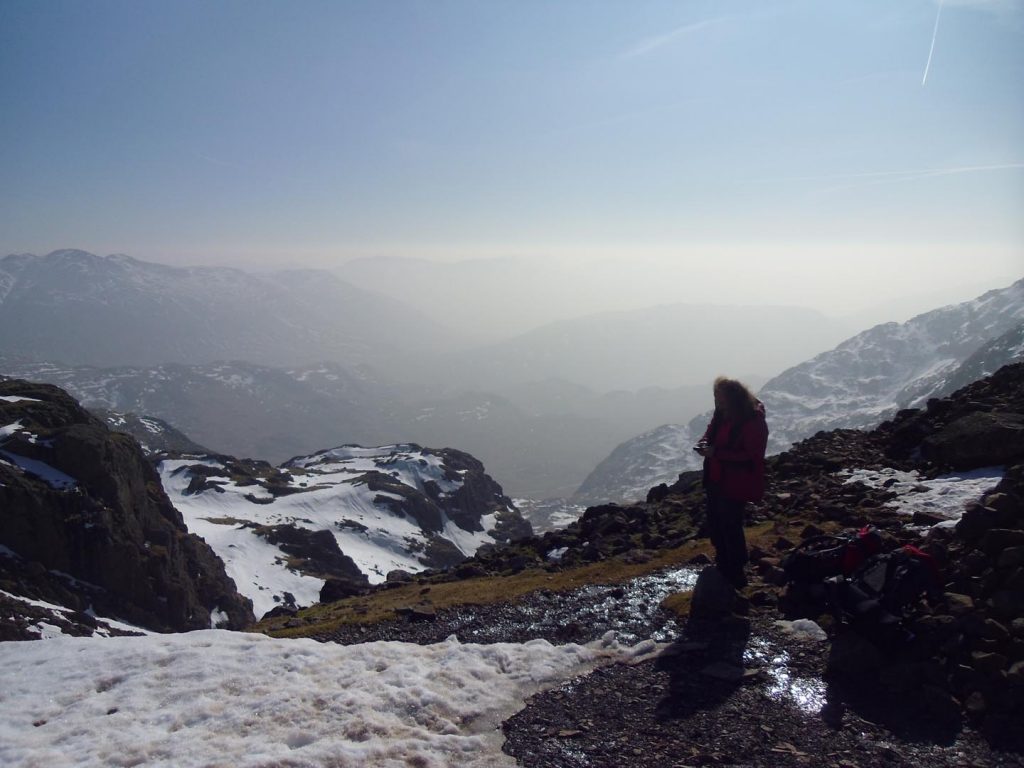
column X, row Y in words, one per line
column 733, row 447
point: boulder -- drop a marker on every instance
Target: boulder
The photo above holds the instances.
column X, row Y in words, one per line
column 1012, row 557
column 853, row 658
column 713, row 595
column 335, row 589
column 398, row 576
column 977, row 440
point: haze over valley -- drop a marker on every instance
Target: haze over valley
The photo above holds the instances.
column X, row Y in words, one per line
column 356, row 359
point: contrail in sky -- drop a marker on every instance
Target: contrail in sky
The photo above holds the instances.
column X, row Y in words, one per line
column 931, row 50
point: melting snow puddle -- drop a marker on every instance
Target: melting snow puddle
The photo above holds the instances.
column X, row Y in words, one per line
column 632, row 610
column 805, row 693
column 943, row 497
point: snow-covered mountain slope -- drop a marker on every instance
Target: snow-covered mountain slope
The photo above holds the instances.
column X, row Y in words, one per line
column 155, row 436
column 350, row 514
column 988, row 359
column 860, row 383
column 638, row 464
column 77, row 307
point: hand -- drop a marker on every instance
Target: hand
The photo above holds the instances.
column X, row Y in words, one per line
column 707, row 451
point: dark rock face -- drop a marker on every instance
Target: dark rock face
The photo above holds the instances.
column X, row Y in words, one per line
column 477, row 495
column 317, row 554
column 977, row 440
column 109, row 524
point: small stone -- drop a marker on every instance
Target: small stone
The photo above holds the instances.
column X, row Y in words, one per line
column 988, row 663
column 993, row 630
column 810, row 531
column 920, row 517
column 1001, row 502
column 976, row 703
column 1008, row 604
column 1011, row 557
column 959, row 605
column 782, row 544
column 1015, row 581
column 417, row 612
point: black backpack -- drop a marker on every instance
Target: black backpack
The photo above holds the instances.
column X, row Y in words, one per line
column 821, row 557
column 882, row 589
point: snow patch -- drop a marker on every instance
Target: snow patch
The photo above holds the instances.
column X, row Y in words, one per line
column 944, row 496
column 50, row 475
column 217, row 697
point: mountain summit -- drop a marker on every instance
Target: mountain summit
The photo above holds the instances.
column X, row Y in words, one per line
column 77, row 307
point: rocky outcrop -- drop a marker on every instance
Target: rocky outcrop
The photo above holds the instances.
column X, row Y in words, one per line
column 348, row 515
column 80, row 501
column 155, row 436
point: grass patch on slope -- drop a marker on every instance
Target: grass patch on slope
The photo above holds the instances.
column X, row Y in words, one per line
column 486, row 590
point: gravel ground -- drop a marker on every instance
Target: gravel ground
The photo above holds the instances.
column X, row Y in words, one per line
column 736, row 692
column 689, row 708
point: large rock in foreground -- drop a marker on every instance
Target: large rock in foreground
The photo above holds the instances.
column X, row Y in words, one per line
column 84, row 522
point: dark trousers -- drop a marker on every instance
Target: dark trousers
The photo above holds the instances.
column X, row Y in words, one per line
column 725, row 527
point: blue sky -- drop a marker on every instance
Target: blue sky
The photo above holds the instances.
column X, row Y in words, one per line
column 311, row 132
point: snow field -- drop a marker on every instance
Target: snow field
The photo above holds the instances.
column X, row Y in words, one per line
column 944, row 496
column 217, row 698
column 48, row 631
column 335, row 495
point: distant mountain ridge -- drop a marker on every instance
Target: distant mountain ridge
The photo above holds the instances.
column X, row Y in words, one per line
column 542, row 444
column 77, row 307
column 154, row 436
column 238, row 408
column 860, row 383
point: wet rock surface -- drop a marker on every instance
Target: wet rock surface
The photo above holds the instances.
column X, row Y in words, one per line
column 683, row 709
column 633, row 611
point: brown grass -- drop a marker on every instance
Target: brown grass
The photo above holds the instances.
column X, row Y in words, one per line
column 487, row 590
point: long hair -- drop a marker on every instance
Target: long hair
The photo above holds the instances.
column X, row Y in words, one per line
column 740, row 401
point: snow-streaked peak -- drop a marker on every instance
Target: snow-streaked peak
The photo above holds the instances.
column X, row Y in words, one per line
column 397, row 507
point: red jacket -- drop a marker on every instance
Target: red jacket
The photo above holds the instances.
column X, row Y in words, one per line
column 736, row 469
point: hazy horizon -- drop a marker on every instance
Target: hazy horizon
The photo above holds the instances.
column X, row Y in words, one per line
column 836, row 156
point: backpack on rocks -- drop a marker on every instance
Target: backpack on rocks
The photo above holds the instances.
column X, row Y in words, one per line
column 821, row 557
column 879, row 592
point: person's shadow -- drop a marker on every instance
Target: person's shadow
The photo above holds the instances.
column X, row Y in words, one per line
column 705, row 664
